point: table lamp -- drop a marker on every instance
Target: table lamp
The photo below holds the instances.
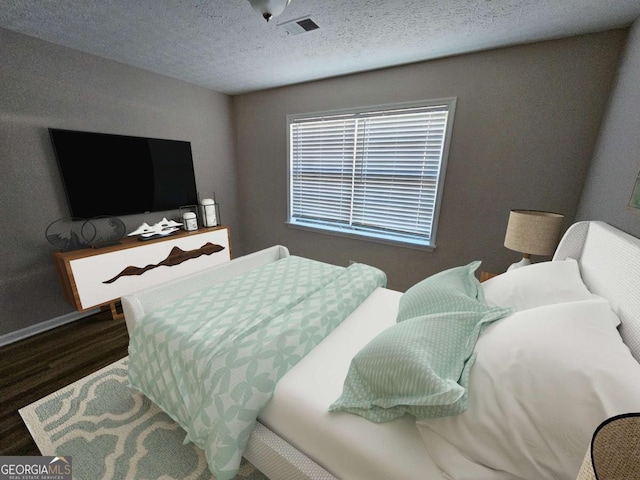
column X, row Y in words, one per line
column 532, row 232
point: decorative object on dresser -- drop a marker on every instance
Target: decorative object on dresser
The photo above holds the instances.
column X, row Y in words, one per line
column 189, row 217
column 209, row 214
column 532, row 232
column 176, row 257
column 108, row 231
column 69, row 234
column 74, row 233
column 98, row 278
column 161, row 229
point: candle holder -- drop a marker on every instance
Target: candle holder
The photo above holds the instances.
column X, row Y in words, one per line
column 189, row 217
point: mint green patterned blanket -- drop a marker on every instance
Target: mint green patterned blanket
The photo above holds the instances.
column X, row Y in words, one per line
column 211, row 360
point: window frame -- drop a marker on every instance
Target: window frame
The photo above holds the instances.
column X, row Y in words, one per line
column 450, row 102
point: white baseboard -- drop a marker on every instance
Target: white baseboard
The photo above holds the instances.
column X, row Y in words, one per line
column 27, row 332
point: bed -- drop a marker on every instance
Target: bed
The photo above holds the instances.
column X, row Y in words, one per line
column 594, row 275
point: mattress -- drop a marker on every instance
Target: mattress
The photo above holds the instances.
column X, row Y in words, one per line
column 347, row 445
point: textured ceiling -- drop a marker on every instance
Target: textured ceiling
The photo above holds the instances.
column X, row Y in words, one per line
column 226, row 46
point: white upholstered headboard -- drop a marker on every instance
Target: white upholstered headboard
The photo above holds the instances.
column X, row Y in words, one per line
column 610, row 267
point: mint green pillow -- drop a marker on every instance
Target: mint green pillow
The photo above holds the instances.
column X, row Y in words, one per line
column 420, row 366
column 453, row 290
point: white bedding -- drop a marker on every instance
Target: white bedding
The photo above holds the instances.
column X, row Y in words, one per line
column 350, row 446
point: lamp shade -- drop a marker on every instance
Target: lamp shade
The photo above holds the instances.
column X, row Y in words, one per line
column 533, row 232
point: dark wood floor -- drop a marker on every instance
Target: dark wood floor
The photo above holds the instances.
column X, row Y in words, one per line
column 37, row 366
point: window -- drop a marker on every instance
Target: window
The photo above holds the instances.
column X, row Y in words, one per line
column 375, row 172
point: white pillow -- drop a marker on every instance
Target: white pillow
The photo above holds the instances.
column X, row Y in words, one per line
column 543, row 380
column 536, row 285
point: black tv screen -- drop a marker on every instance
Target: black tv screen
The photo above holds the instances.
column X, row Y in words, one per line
column 105, row 174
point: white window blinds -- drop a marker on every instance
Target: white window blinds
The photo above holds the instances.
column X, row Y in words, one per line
column 374, row 173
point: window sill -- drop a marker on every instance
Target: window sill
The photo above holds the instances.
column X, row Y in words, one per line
column 363, row 237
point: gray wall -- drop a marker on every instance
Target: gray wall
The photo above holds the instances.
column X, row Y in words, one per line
column 616, row 161
column 43, row 86
column 525, row 127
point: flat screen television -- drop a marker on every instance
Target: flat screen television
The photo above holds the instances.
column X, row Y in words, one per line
column 106, row 174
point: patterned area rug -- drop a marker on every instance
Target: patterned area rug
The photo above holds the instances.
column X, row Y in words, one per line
column 114, row 432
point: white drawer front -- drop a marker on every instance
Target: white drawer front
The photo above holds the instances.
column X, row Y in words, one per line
column 134, row 269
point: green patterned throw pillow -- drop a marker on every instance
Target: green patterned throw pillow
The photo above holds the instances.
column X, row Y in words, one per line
column 453, row 290
column 420, row 366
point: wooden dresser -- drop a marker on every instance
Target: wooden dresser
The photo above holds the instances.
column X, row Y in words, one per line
column 98, row 277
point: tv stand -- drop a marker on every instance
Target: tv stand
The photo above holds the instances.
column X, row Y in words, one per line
column 93, row 278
